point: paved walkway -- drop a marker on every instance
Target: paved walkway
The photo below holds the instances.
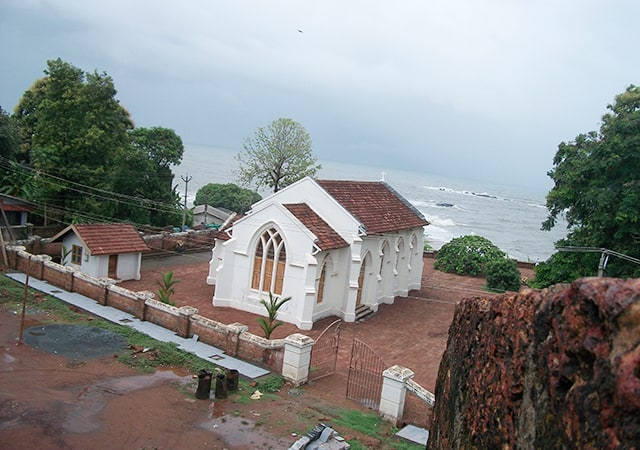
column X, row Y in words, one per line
column 203, row 351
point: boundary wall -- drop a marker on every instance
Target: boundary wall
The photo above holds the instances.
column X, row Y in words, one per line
column 185, row 321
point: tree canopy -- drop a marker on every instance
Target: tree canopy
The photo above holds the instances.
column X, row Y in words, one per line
column 277, row 156
column 144, row 171
column 597, row 187
column 9, row 135
column 81, row 157
column 229, row 196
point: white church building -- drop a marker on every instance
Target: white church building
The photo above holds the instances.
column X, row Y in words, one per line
column 337, row 248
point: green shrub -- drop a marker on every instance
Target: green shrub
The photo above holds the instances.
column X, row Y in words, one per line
column 503, row 275
column 467, row 255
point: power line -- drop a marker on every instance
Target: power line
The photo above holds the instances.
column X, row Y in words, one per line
column 604, row 257
column 124, row 199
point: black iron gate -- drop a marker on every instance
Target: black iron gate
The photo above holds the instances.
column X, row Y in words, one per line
column 364, row 382
column 325, row 352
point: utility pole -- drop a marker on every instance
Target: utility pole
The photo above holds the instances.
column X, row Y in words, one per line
column 186, row 180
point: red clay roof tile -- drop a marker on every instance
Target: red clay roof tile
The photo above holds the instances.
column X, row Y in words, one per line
column 375, row 204
column 327, row 237
column 110, row 238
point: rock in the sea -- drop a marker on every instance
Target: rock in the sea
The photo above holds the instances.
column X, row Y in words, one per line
column 556, row 368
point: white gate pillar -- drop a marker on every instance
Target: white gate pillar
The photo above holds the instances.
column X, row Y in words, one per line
column 297, row 358
column 394, row 389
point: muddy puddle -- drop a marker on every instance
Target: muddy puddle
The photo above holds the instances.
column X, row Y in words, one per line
column 82, row 418
column 242, row 432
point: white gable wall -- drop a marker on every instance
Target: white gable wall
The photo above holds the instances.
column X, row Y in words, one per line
column 233, row 263
column 309, row 192
column 128, row 267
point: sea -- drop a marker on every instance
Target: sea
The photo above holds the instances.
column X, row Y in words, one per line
column 509, row 216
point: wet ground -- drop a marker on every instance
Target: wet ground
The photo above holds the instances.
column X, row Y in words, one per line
column 78, row 400
column 74, row 341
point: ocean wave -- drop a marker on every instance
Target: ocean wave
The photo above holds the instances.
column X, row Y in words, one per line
column 454, row 191
column 477, row 194
column 437, row 237
column 422, row 205
column 435, row 221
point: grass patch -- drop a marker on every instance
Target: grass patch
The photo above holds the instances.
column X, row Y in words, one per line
column 270, row 384
column 365, row 423
column 371, row 424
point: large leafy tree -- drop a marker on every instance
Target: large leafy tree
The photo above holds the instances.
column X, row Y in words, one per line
column 597, row 189
column 277, row 156
column 73, row 128
column 144, row 173
column 9, row 135
column 229, row 196
column 14, row 180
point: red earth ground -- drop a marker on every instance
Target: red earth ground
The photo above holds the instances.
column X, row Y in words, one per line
column 50, row 402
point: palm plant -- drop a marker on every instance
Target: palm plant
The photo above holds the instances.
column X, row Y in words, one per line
column 270, row 323
column 167, row 288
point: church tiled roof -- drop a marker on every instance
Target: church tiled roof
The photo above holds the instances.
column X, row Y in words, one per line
column 327, row 237
column 375, row 204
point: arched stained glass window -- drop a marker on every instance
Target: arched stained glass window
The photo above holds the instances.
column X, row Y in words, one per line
column 269, row 263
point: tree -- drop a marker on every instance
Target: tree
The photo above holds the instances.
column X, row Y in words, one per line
column 92, row 164
column 565, row 267
column 467, row 255
column 14, row 179
column 277, row 156
column 144, row 171
column 229, row 196
column 9, row 136
column 73, row 128
column 597, row 188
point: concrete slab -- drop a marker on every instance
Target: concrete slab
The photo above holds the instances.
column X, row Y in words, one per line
column 200, row 349
column 414, row 434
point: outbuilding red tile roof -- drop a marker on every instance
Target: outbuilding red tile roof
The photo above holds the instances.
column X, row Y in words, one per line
column 375, row 204
column 11, row 203
column 327, row 237
column 107, row 238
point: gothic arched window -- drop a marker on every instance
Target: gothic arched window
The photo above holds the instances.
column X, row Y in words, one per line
column 269, row 263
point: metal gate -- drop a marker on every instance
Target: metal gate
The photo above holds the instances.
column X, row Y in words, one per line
column 325, row 352
column 364, row 382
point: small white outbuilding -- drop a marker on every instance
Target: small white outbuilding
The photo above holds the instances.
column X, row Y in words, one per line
column 103, row 250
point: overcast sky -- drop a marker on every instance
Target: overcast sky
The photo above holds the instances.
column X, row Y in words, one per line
column 479, row 89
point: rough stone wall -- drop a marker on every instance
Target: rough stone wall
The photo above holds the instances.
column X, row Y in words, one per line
column 557, row 368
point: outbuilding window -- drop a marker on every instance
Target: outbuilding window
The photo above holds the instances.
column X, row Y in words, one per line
column 76, row 254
